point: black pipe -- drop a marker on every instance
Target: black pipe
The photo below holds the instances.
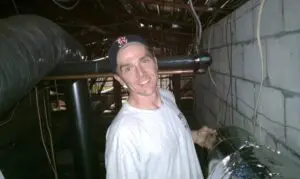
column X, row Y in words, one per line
column 30, row 47
column 85, row 156
column 201, row 61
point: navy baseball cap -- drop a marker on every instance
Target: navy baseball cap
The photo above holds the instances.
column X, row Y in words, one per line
column 117, row 46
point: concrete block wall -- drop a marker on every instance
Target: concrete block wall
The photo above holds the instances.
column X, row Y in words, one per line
column 228, row 93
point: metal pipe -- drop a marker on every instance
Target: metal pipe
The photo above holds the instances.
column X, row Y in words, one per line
column 94, row 69
column 85, row 156
column 100, row 75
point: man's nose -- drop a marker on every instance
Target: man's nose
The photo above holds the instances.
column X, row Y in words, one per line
column 140, row 71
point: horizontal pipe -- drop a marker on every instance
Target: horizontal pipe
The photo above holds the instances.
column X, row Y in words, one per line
column 95, row 69
column 100, row 75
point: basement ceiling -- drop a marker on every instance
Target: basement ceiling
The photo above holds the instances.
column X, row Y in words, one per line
column 167, row 25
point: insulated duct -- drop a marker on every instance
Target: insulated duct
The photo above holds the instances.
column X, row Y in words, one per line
column 237, row 154
column 30, row 47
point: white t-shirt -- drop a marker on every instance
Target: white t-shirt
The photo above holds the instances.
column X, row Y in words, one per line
column 151, row 144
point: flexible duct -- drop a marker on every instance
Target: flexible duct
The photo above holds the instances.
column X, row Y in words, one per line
column 30, row 47
column 238, row 155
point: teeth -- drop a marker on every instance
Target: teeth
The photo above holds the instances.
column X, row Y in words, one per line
column 144, row 82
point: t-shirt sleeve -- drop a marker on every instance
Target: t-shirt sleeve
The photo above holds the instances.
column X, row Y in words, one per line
column 168, row 95
column 121, row 155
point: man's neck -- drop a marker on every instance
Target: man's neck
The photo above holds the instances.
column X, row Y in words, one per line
column 145, row 102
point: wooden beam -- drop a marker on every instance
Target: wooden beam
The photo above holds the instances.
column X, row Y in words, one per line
column 182, row 6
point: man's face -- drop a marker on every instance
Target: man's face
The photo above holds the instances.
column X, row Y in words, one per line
column 137, row 69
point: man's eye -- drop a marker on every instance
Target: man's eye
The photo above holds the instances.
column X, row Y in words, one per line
column 127, row 69
column 145, row 60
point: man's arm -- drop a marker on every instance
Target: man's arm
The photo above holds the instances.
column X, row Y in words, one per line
column 121, row 156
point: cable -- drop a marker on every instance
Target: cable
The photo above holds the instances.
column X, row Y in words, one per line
column 229, row 53
column 42, row 135
column 50, row 138
column 57, row 98
column 15, row 6
column 11, row 116
column 211, row 78
column 65, row 7
column 262, row 60
column 198, row 25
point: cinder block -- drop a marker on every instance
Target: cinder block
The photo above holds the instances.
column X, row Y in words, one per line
column 271, row 103
column 245, row 97
column 293, row 139
column 201, row 80
column 291, row 15
column 248, row 126
column 267, row 140
column 205, row 38
column 221, row 112
column 208, row 37
column 255, row 3
column 271, row 19
column 227, row 118
column 244, row 27
column 215, row 55
column 228, row 24
column 283, row 62
column 241, row 11
column 252, row 62
column 288, row 152
column 219, row 81
column 293, row 112
column 222, row 86
column 230, row 91
column 212, row 78
column 211, row 101
column 224, row 60
column 272, row 127
column 238, row 120
column 210, row 119
column 238, row 60
column 218, row 34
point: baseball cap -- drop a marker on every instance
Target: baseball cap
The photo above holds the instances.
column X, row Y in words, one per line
column 117, row 46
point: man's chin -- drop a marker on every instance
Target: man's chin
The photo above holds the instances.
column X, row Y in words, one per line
column 146, row 93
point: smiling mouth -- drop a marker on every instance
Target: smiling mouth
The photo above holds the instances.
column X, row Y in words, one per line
column 144, row 82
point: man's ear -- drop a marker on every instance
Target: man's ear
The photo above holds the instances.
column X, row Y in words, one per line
column 119, row 79
column 155, row 60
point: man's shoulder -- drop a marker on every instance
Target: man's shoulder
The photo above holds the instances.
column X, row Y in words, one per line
column 124, row 121
column 167, row 94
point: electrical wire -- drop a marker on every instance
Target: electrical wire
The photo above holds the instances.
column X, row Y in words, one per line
column 11, row 116
column 15, row 6
column 229, row 59
column 211, row 78
column 198, row 24
column 65, row 7
column 57, row 98
column 262, row 66
column 50, row 138
column 42, row 135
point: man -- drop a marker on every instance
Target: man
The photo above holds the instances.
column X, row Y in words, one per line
column 149, row 138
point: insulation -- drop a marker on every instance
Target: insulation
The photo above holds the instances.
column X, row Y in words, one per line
column 30, row 47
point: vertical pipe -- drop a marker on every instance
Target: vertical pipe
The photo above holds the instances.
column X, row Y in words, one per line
column 85, row 156
column 176, row 87
column 117, row 95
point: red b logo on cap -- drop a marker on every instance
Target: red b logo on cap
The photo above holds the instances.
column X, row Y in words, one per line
column 122, row 41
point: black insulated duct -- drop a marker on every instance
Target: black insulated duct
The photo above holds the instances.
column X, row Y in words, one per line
column 30, row 47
